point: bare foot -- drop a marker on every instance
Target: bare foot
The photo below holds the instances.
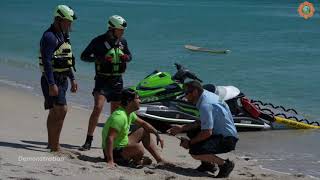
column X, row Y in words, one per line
column 166, row 163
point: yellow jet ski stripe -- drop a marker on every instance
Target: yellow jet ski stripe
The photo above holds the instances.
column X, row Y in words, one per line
column 294, row 123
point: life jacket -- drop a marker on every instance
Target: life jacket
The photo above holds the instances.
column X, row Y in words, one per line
column 250, row 108
column 62, row 59
column 114, row 68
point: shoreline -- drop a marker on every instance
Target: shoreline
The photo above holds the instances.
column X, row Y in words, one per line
column 23, row 135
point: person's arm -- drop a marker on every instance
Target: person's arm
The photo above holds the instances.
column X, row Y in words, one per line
column 109, row 145
column 150, row 129
column 191, row 126
column 71, row 75
column 74, row 84
column 206, row 124
column 88, row 54
column 176, row 129
column 126, row 50
column 47, row 48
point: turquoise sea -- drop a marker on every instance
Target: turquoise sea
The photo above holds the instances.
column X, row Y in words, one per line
column 274, row 56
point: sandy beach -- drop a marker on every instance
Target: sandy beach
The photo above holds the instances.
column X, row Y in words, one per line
column 23, row 153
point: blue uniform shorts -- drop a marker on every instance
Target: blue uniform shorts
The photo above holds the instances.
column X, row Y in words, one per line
column 61, row 81
column 216, row 144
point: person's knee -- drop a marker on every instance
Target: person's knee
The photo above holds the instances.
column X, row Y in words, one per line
column 136, row 151
column 195, row 156
column 58, row 112
column 139, row 150
column 140, row 132
column 51, row 112
column 60, row 109
column 64, row 109
column 97, row 108
column 144, row 132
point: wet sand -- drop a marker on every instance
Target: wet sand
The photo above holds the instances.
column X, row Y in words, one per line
column 23, row 153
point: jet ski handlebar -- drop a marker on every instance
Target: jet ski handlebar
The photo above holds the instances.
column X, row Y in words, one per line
column 192, row 76
column 183, row 73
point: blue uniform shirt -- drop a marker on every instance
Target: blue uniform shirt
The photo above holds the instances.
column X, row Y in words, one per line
column 215, row 115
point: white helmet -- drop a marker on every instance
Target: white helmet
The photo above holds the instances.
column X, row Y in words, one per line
column 117, row 22
column 65, row 12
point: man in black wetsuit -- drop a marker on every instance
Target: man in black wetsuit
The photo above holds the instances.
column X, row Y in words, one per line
column 111, row 54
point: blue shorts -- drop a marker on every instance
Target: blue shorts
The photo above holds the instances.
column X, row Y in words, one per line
column 109, row 87
column 62, row 83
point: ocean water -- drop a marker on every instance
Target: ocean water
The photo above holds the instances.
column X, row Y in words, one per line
column 289, row 151
column 274, row 54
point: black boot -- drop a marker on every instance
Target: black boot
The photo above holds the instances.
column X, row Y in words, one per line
column 87, row 144
column 225, row 169
column 206, row 167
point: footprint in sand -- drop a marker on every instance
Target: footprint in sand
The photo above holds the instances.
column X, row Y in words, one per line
column 15, row 170
column 32, row 171
column 182, row 156
column 61, row 172
column 66, row 154
column 9, row 164
column 299, row 175
column 84, row 169
column 148, row 171
column 263, row 175
column 23, row 178
column 122, row 178
column 98, row 166
column 252, row 165
column 247, row 174
column 170, row 177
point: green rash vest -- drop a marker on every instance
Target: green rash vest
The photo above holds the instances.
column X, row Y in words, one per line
column 120, row 121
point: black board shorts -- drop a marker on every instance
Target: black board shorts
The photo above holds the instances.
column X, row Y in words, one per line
column 109, row 87
column 117, row 157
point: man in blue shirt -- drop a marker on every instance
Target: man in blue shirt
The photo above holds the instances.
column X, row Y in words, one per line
column 56, row 62
column 214, row 134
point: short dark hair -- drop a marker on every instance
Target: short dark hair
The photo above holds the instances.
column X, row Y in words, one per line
column 58, row 18
column 127, row 95
column 192, row 85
